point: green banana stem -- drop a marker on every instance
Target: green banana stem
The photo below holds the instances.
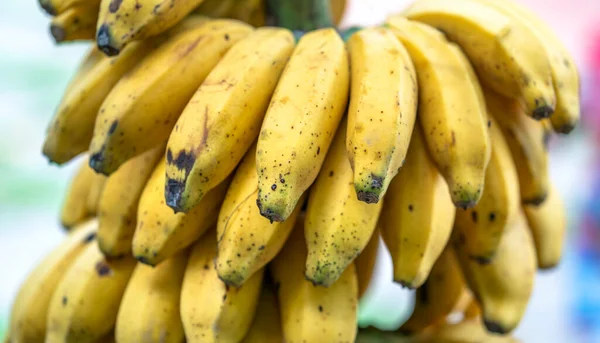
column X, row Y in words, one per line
column 300, row 15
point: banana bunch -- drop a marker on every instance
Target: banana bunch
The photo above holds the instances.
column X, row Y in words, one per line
column 235, row 176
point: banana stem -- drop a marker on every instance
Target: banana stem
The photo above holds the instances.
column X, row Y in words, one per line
column 300, row 15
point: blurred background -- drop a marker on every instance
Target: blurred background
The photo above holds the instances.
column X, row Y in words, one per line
column 33, row 74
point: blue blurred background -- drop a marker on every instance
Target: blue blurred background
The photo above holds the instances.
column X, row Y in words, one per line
column 33, row 74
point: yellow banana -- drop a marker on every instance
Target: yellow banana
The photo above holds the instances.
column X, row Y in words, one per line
column 121, row 22
column 86, row 301
column 565, row 77
column 472, row 310
column 484, row 224
column 246, row 240
column 338, row 225
column 338, row 9
column 141, row 110
column 417, row 216
column 76, row 23
column 58, row 7
column 74, row 208
column 528, row 143
column 149, row 312
column 454, row 119
column 30, row 309
column 382, row 110
column 160, row 233
column 548, row 223
column 266, row 326
column 223, row 118
column 118, row 206
column 365, row 263
column 95, row 193
column 309, row 313
column 504, row 285
column 211, row 310
column 252, row 12
column 216, row 8
column 439, row 295
column 466, row 331
column 507, row 56
column 302, row 118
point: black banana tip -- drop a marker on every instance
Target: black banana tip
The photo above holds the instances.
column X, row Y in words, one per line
column 103, row 40
column 536, row 200
column 542, row 112
column 144, row 260
column 58, row 33
column 495, row 327
column 368, row 197
column 481, row 259
column 46, row 6
column 174, row 194
column 269, row 213
column 97, row 162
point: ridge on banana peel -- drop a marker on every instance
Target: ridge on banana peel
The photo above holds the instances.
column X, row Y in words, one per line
column 28, row 319
column 300, row 122
column 505, row 53
column 124, row 21
column 454, row 119
column 417, row 216
column 211, row 310
column 76, row 23
column 161, row 233
column 141, row 110
column 337, row 225
column 246, row 240
column 382, row 110
column 224, row 116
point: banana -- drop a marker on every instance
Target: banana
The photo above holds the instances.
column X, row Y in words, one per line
column 484, row 224
column 466, row 331
column 302, row 118
column 506, row 55
column 252, row 12
column 472, row 310
column 149, row 312
column 417, row 216
column 528, row 143
column 58, row 7
column 74, row 208
column 119, row 203
column 382, row 110
column 439, row 295
column 338, row 225
column 86, row 301
column 338, row 9
column 94, row 194
column 121, row 22
column 365, row 263
column 216, row 8
column 548, row 223
column 246, row 240
column 454, row 119
column 565, row 77
column 266, row 326
column 309, row 313
column 141, row 110
column 160, row 233
column 211, row 310
column 223, row 117
column 504, row 285
column 76, row 23
column 30, row 309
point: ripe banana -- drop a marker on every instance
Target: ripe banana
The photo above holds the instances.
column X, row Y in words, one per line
column 86, row 301
column 417, row 216
column 365, row 263
column 58, row 7
column 338, row 225
column 266, row 326
column 216, row 8
column 30, row 309
column 76, row 23
column 565, row 77
column 484, row 224
column 548, row 223
column 94, row 194
column 309, row 313
column 302, row 118
column 74, row 208
column 211, row 310
column 438, row 296
column 382, row 110
column 223, row 118
column 466, row 331
column 454, row 119
column 149, row 312
column 160, row 233
column 503, row 286
column 118, row 206
column 124, row 21
column 246, row 240
column 506, row 55
column 141, row 110
column 338, row 9
column 252, row 12
column 528, row 143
